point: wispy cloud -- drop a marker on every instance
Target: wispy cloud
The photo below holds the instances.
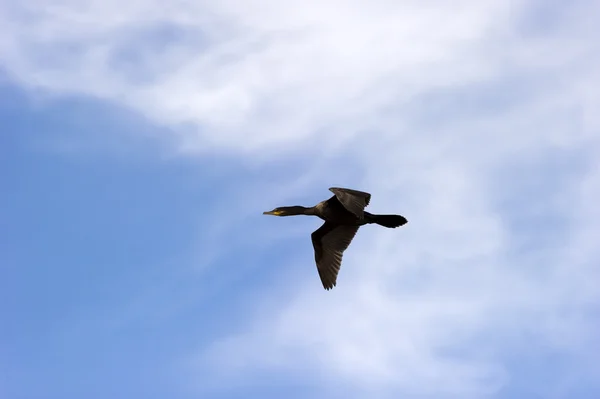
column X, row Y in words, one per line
column 476, row 120
column 275, row 70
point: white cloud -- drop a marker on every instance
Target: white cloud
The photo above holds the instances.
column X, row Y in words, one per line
column 275, row 70
column 434, row 103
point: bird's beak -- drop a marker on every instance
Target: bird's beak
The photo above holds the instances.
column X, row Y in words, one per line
column 274, row 213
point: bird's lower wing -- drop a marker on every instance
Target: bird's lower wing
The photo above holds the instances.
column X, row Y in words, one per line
column 330, row 242
column 353, row 200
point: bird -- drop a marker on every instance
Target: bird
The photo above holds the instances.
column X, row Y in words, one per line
column 344, row 213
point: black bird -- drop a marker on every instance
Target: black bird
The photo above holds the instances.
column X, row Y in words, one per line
column 343, row 214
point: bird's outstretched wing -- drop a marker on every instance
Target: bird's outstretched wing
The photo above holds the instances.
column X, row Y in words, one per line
column 330, row 241
column 353, row 200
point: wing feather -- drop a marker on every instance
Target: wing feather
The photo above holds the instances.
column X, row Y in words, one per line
column 330, row 242
column 353, row 200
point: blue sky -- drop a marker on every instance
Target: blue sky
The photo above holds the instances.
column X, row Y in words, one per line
column 138, row 153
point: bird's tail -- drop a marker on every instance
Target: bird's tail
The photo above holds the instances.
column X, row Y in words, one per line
column 390, row 221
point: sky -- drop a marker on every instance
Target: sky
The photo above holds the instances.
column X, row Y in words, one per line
column 141, row 141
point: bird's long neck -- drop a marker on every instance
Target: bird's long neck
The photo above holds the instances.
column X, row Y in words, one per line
column 297, row 210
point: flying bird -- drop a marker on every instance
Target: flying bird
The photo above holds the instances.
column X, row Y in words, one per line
column 343, row 214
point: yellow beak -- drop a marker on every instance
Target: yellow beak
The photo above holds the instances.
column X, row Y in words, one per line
column 275, row 213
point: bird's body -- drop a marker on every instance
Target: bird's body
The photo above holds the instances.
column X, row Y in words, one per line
column 343, row 214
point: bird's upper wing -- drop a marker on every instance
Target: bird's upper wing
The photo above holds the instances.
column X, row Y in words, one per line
column 353, row 200
column 330, row 241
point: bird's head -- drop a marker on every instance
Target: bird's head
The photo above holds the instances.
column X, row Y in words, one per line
column 287, row 211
